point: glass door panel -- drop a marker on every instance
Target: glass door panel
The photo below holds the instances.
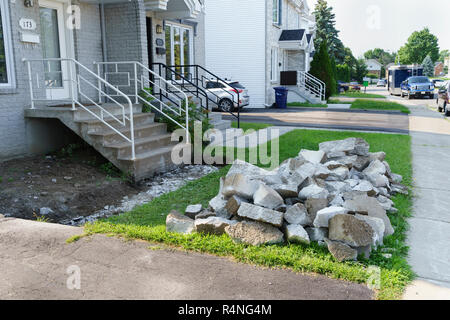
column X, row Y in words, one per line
column 51, row 47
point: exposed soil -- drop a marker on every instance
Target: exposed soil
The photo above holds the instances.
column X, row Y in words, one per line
column 77, row 185
column 73, row 182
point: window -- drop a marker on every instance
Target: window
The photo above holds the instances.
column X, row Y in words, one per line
column 274, row 65
column 277, row 11
column 6, row 70
column 179, row 48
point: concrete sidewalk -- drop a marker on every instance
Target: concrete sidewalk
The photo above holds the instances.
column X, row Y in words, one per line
column 35, row 259
column 429, row 234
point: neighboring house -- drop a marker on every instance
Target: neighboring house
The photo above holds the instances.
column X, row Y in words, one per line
column 254, row 41
column 374, row 67
column 49, row 33
column 438, row 69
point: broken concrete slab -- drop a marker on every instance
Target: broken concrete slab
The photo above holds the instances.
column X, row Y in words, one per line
column 261, row 214
column 296, row 233
column 317, row 234
column 323, row 216
column 233, row 204
column 266, row 197
column 179, row 223
column 254, row 233
column 297, row 214
column 340, row 251
column 313, row 156
column 313, row 191
column 315, row 205
column 238, row 184
column 192, row 210
column 377, row 226
column 213, row 225
column 350, row 230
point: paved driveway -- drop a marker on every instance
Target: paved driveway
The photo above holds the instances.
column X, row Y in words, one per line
column 35, row 259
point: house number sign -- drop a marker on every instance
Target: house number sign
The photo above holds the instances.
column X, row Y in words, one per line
column 27, row 24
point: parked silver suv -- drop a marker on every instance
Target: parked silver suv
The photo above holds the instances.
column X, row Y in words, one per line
column 225, row 94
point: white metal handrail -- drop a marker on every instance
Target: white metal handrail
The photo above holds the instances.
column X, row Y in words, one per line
column 75, row 80
column 312, row 84
column 140, row 82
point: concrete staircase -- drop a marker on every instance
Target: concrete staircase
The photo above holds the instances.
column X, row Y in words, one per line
column 153, row 145
column 152, row 141
column 298, row 94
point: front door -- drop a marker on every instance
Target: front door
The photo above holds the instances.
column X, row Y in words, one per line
column 179, row 48
column 53, row 41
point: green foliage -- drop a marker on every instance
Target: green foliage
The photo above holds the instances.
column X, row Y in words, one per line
column 382, row 56
column 359, row 94
column 379, row 105
column 372, row 76
column 428, row 66
column 444, row 54
column 360, row 70
column 321, row 68
column 146, row 95
column 69, row 150
column 109, row 169
column 326, row 31
column 306, row 105
column 420, row 44
column 343, row 73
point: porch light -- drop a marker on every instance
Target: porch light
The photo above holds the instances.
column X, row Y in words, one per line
column 159, row 29
column 28, row 3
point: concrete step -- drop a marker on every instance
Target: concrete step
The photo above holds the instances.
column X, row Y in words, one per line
column 114, row 109
column 144, row 145
column 149, row 163
column 93, row 125
column 108, row 136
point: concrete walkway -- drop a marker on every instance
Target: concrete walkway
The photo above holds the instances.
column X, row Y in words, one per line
column 429, row 234
column 37, row 263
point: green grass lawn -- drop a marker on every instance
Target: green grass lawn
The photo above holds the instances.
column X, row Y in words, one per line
column 360, row 95
column 147, row 222
column 378, row 105
column 246, row 125
column 306, row 105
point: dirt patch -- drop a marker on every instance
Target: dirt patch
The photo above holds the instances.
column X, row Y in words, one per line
column 74, row 182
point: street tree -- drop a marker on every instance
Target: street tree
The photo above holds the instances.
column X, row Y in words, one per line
column 428, row 66
column 420, row 44
column 326, row 31
column 321, row 68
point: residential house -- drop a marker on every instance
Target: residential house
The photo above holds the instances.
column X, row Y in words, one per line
column 374, row 67
column 77, row 66
column 256, row 42
column 438, row 69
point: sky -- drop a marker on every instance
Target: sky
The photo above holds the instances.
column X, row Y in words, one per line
column 387, row 24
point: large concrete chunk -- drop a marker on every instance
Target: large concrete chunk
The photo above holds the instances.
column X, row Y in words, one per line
column 370, row 206
column 365, row 187
column 323, row 216
column 245, row 168
column 261, row 214
column 233, row 204
column 193, row 210
column 313, row 191
column 218, row 205
column 350, row 230
column 176, row 222
column 350, row 146
column 377, row 226
column 297, row 214
column 296, row 233
column 286, row 190
column 313, row 156
column 254, row 233
column 315, row 205
column 375, row 173
column 213, row 225
column 340, row 251
column 238, row 184
column 266, row 197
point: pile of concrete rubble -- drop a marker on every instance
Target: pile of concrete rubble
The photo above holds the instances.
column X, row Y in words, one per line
column 337, row 196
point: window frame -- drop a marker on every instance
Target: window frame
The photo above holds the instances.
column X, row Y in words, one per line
column 181, row 27
column 274, row 64
column 6, row 27
column 278, row 8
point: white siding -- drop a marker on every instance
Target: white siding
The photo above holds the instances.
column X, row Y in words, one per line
column 236, row 42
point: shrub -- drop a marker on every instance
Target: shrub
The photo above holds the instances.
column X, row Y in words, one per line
column 321, row 68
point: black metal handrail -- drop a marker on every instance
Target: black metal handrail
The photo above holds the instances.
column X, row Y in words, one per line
column 181, row 83
column 213, row 78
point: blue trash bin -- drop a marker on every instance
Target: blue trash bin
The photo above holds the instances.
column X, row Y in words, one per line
column 281, row 94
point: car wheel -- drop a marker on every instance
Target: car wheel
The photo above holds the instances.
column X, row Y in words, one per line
column 409, row 96
column 226, row 105
column 402, row 95
column 446, row 111
column 438, row 106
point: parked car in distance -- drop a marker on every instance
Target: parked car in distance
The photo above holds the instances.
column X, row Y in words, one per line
column 442, row 101
column 225, row 94
column 354, row 86
column 416, row 87
column 381, row 83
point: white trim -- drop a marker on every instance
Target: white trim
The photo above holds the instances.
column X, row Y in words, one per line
column 274, row 61
column 182, row 27
column 9, row 57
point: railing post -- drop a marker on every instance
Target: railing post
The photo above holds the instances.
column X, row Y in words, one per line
column 72, row 91
column 99, row 84
column 30, row 80
column 135, row 84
